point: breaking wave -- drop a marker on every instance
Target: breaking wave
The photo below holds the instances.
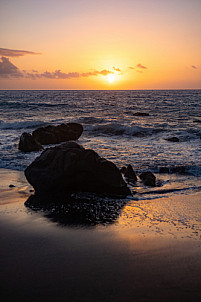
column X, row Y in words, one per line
column 120, row 129
column 21, row 125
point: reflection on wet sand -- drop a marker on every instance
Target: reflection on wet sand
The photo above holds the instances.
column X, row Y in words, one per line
column 172, row 216
column 88, row 248
column 81, row 209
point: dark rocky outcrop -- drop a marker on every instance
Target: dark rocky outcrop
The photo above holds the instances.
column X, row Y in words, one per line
column 148, row 179
column 141, row 114
column 129, row 173
column 28, row 143
column 176, row 169
column 164, row 170
column 71, row 168
column 173, row 139
column 57, row 134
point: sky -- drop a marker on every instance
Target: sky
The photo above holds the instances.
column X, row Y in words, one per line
column 107, row 44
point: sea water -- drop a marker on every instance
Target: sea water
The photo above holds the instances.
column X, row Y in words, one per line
column 113, row 130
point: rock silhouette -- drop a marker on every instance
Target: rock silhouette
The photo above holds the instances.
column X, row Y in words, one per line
column 173, row 139
column 141, row 114
column 148, row 178
column 70, row 167
column 57, row 134
column 28, row 143
column 129, row 173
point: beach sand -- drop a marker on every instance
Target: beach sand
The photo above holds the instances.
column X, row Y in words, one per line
column 152, row 251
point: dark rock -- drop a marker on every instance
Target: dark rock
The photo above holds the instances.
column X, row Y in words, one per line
column 178, row 169
column 148, row 178
column 173, row 139
column 28, row 143
column 11, row 186
column 71, row 168
column 58, row 134
column 129, row 173
column 164, row 170
column 141, row 114
column 123, row 170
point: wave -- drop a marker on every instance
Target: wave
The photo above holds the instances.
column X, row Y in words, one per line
column 120, row 129
column 91, row 120
column 21, row 125
column 164, row 193
column 25, row 104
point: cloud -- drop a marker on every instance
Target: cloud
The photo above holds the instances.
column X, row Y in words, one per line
column 141, row 66
column 16, row 53
column 7, row 69
column 62, row 75
column 105, row 72
column 116, row 69
column 194, row 67
column 138, row 67
column 57, row 74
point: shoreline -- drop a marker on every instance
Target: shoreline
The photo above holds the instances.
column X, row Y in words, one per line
column 128, row 260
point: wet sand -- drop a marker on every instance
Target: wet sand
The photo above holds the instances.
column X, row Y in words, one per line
column 141, row 256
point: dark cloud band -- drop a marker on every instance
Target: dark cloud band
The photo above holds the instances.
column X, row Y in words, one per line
column 16, row 53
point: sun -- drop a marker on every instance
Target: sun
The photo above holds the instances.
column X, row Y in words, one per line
column 110, row 78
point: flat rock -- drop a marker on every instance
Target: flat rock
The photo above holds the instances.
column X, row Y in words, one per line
column 57, row 134
column 173, row 139
column 141, row 114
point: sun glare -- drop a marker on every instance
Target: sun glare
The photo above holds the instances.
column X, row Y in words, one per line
column 110, row 78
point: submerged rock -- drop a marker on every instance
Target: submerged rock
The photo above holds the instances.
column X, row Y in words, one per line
column 141, row 114
column 173, row 139
column 148, row 178
column 28, row 143
column 58, row 134
column 70, row 167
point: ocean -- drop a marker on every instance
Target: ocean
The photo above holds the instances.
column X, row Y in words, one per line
column 124, row 126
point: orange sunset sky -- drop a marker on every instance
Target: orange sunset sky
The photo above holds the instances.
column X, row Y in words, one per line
column 107, row 44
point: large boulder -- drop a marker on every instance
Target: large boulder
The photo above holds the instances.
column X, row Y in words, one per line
column 28, row 143
column 71, row 168
column 57, row 134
